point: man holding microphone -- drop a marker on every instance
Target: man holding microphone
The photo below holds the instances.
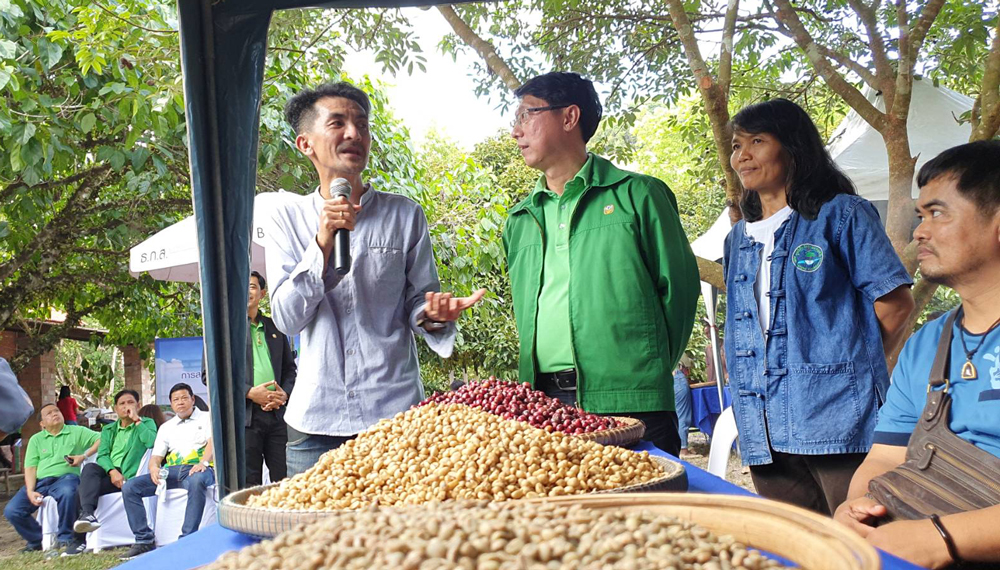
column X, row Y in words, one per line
column 358, row 308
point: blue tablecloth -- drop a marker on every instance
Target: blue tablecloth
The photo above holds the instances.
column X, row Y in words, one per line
column 209, row 543
column 705, row 407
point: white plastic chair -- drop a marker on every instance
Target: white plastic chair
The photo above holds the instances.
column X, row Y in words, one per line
column 723, row 436
column 170, row 507
column 110, row 512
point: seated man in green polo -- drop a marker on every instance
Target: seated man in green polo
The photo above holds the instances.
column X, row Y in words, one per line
column 123, row 444
column 51, row 469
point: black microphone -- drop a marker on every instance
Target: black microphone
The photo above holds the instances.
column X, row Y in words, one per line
column 341, row 238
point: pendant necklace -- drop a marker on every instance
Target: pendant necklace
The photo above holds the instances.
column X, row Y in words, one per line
column 969, row 371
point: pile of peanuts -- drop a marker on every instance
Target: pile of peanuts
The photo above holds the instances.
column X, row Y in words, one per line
column 494, row 537
column 441, row 452
column 513, row 401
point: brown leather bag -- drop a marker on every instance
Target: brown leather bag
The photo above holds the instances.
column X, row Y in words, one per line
column 943, row 473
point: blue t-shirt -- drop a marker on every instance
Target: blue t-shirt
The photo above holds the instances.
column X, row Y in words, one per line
column 975, row 404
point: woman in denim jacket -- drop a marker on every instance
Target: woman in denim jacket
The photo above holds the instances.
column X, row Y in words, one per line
column 816, row 298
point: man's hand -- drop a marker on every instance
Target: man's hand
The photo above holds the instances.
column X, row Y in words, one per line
column 916, row 541
column 443, row 308
column 268, row 399
column 197, row 469
column 275, row 403
column 35, row 498
column 337, row 214
column 859, row 515
column 154, row 475
column 117, row 479
column 133, row 414
column 77, row 460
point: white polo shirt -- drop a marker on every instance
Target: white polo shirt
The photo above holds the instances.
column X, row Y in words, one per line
column 182, row 442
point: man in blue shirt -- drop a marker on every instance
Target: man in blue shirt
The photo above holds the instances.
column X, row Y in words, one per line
column 959, row 246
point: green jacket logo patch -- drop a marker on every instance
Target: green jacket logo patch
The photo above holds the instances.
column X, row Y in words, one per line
column 807, row 257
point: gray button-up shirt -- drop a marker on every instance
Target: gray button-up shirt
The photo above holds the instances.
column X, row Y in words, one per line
column 358, row 361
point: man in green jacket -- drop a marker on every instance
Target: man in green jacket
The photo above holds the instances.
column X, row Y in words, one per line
column 123, row 444
column 602, row 275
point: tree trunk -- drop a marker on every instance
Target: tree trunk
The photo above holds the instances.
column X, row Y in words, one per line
column 714, row 97
column 485, row 49
column 899, row 219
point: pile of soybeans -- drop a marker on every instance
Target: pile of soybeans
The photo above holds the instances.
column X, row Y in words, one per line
column 442, row 452
column 462, row 535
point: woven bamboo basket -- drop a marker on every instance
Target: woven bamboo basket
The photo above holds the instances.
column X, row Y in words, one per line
column 812, row 541
column 627, row 434
column 234, row 513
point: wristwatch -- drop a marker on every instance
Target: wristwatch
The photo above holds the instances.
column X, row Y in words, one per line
column 430, row 325
column 206, row 464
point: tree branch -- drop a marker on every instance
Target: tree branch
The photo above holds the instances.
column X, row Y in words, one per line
column 726, row 53
column 9, row 191
column 133, row 24
column 716, row 100
column 989, row 94
column 790, row 19
column 46, row 341
column 883, row 66
column 485, row 49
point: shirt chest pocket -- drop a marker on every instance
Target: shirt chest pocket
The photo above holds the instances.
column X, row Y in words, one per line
column 383, row 268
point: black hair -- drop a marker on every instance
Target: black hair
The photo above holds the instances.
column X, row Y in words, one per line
column 261, row 284
column 180, row 386
column 300, row 110
column 976, row 169
column 813, row 178
column 559, row 88
column 126, row 391
column 64, row 392
column 42, row 409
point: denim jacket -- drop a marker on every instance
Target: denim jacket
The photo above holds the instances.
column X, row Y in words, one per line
column 815, row 384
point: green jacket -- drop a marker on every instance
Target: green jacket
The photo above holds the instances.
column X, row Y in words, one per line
column 632, row 294
column 142, row 439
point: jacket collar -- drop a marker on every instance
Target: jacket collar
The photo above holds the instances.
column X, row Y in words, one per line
column 597, row 172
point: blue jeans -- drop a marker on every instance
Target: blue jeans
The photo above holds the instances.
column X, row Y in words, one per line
column 135, row 489
column 303, row 449
column 19, row 510
column 682, row 402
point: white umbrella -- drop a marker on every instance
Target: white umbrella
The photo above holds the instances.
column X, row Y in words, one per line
column 171, row 254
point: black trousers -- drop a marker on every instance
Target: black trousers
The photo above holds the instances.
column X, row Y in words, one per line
column 816, row 482
column 265, row 440
column 94, row 483
column 661, row 427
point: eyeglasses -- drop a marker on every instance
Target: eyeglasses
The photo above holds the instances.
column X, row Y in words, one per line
column 522, row 117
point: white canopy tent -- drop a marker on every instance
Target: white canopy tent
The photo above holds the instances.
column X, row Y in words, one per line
column 859, row 150
column 171, row 254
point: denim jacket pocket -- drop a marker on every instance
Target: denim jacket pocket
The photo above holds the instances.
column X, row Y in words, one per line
column 824, row 405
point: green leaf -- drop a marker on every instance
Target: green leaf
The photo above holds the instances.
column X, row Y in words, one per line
column 53, row 53
column 87, row 122
column 7, row 49
column 29, row 131
column 118, row 160
column 4, row 229
column 5, row 74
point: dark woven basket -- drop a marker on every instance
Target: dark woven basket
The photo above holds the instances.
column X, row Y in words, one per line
column 234, row 513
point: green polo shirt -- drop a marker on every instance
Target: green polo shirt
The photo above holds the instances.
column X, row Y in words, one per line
column 123, row 439
column 553, row 342
column 46, row 451
column 263, row 372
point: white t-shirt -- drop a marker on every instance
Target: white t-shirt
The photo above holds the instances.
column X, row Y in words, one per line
column 763, row 232
column 183, row 441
